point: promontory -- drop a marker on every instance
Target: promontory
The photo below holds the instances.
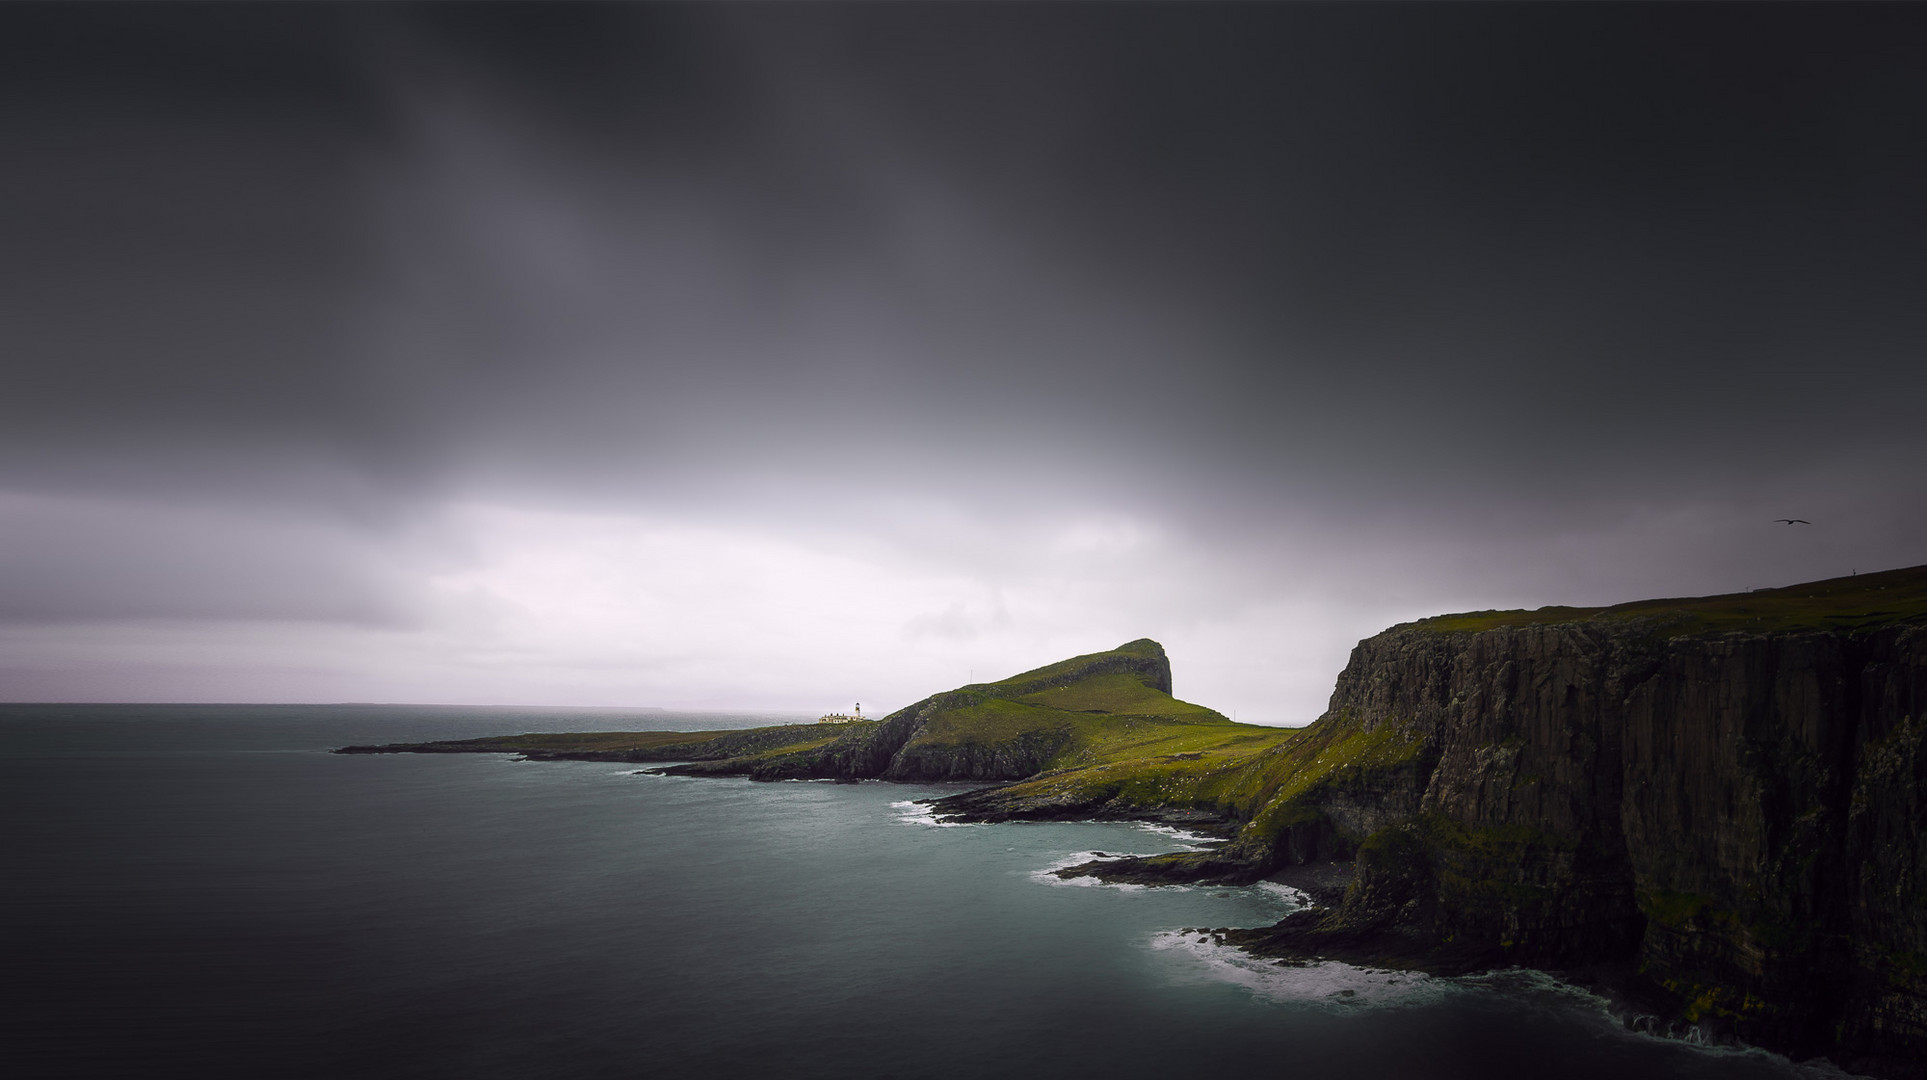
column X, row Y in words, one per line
column 1710, row 807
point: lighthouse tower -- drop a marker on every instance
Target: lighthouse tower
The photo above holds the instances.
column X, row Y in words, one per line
column 842, row 718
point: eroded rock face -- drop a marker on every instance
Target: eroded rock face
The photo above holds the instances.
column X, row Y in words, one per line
column 1737, row 815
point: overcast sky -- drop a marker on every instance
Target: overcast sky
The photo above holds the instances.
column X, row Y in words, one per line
column 785, row 357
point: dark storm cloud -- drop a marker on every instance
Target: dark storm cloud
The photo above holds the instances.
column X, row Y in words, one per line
column 1472, row 277
column 176, row 251
column 1658, row 230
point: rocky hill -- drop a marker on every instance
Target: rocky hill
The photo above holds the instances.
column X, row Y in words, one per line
column 1085, row 712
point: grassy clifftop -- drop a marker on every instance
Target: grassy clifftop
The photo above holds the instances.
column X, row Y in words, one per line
column 1853, row 603
column 1144, row 659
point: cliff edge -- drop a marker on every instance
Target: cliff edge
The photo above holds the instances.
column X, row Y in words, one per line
column 1718, row 799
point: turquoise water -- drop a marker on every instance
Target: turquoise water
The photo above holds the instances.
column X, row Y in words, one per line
column 204, row 890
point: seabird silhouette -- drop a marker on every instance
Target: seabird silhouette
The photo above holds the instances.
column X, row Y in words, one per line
column 1791, row 521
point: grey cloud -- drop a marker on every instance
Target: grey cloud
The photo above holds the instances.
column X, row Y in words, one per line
column 1471, row 279
column 72, row 559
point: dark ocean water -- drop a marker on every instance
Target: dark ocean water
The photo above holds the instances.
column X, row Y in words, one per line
column 203, row 890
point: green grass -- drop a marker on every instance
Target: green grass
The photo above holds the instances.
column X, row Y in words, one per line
column 1100, row 720
column 1025, row 682
column 1336, row 750
column 1266, row 777
column 989, row 721
column 1854, row 603
column 1122, row 694
column 1153, row 764
column 1152, row 728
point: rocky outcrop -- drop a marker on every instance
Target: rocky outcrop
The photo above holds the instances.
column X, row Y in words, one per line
column 1736, row 816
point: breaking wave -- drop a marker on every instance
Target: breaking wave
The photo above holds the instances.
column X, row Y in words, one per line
column 1325, row 982
column 917, row 813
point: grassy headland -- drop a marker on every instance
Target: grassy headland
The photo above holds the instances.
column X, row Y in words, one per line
column 1099, row 710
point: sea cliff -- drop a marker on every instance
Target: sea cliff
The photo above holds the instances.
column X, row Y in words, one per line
column 1717, row 803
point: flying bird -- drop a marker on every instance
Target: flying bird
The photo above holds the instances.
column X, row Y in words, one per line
column 1792, row 521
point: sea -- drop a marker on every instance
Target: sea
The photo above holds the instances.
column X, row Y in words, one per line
column 204, row 890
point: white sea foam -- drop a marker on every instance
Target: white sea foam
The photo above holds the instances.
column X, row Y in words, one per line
column 1293, row 898
column 1185, row 838
column 1323, row 983
column 655, row 771
column 1283, row 898
column 1048, row 874
column 916, row 813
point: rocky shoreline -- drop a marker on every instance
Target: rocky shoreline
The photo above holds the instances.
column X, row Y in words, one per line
column 1707, row 809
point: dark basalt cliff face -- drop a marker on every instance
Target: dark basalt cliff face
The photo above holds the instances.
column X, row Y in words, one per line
column 1738, row 817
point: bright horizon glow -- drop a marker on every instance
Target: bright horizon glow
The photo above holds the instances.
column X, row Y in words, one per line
column 879, row 601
